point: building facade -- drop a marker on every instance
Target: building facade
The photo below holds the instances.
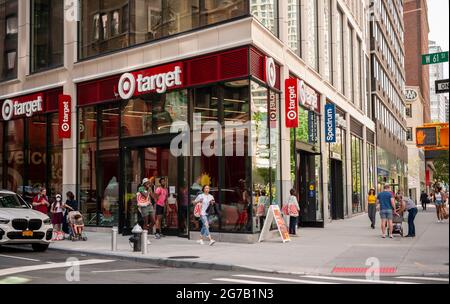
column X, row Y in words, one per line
column 118, row 81
column 416, row 157
column 438, row 102
column 388, row 83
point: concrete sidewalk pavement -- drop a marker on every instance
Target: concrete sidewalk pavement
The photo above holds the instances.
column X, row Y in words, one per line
column 342, row 244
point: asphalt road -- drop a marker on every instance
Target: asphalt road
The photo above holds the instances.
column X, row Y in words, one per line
column 20, row 265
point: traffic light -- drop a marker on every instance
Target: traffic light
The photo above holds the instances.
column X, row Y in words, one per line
column 444, row 137
column 427, row 137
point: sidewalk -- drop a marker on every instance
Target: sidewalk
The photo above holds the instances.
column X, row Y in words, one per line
column 347, row 243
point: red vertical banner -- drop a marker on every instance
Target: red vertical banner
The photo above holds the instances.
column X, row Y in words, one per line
column 427, row 177
column 65, row 116
column 291, row 102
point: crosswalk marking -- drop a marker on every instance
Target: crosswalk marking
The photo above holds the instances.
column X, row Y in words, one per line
column 357, row 280
column 14, row 270
column 240, row 281
column 281, row 279
column 18, row 258
column 124, row 270
column 424, row 278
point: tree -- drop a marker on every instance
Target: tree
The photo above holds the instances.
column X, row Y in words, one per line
column 442, row 167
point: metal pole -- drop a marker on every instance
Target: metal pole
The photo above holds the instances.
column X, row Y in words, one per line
column 144, row 241
column 114, row 239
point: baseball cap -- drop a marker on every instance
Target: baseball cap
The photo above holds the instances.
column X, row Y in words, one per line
column 145, row 180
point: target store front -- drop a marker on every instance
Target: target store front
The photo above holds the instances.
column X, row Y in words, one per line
column 126, row 128
column 31, row 149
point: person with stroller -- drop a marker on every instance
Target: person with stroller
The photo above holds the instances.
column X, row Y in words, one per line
column 76, row 225
column 412, row 212
column 386, row 204
column 397, row 220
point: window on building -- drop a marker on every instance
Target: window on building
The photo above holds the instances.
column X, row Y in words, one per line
column 294, row 26
column 339, row 81
column 8, row 39
column 328, row 44
column 350, row 90
column 409, row 134
column 47, row 34
column 408, row 110
column 356, row 154
column 108, row 25
column 312, row 39
column 266, row 12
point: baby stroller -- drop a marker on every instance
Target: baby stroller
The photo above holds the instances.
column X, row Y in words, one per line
column 76, row 227
column 397, row 222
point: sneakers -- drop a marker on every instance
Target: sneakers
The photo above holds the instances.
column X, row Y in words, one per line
column 383, row 236
column 157, row 236
column 148, row 242
column 212, row 242
column 391, row 236
column 200, row 242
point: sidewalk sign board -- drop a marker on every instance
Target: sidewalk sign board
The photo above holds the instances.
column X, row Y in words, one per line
column 274, row 213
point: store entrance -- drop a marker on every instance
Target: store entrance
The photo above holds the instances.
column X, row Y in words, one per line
column 337, row 189
column 152, row 159
column 307, row 183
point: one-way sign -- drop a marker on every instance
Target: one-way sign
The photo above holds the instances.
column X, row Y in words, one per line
column 442, row 86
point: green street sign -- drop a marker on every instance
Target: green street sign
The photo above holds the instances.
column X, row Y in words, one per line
column 434, row 58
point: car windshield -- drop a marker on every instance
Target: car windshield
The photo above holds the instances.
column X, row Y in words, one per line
column 11, row 201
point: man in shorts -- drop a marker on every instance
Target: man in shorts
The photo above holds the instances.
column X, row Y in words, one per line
column 144, row 204
column 161, row 200
column 387, row 210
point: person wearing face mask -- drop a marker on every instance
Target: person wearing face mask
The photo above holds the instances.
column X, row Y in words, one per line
column 57, row 213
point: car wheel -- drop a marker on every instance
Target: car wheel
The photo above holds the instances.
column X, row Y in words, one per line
column 39, row 247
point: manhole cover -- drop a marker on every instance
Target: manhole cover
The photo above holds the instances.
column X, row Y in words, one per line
column 183, row 257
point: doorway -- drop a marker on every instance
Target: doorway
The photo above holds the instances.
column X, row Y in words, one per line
column 150, row 159
column 308, row 180
column 337, row 189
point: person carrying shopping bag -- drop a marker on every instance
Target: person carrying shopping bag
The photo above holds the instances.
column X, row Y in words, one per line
column 293, row 211
column 203, row 202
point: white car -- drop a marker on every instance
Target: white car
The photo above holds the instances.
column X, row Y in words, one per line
column 20, row 224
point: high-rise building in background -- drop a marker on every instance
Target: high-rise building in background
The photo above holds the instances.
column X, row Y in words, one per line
column 388, row 84
column 438, row 102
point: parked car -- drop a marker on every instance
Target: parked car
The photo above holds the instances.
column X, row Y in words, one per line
column 20, row 224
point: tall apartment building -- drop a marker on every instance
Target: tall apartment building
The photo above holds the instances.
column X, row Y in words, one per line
column 388, row 84
column 438, row 102
column 132, row 68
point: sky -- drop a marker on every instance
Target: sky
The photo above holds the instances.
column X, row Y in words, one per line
column 438, row 16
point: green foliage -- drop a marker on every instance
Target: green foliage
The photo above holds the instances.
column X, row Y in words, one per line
column 442, row 167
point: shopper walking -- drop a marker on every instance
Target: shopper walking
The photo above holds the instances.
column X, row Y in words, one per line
column 372, row 207
column 161, row 201
column 424, row 200
column 387, row 210
column 206, row 200
column 40, row 201
column 439, row 198
column 293, row 209
column 145, row 206
column 412, row 212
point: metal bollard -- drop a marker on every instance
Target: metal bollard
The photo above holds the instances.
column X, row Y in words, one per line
column 114, row 239
column 144, row 241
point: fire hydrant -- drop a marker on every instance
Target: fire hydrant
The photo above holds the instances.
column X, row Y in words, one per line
column 135, row 240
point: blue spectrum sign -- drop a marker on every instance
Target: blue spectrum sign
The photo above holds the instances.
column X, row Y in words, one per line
column 330, row 123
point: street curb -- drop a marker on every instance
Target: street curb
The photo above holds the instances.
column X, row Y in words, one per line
column 215, row 266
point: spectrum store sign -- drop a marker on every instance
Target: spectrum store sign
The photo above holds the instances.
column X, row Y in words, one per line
column 158, row 79
column 22, row 106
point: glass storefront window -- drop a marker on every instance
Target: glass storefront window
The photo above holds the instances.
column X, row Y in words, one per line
column 108, row 25
column 108, row 182
column 15, row 156
column 1, row 153
column 37, row 142
column 87, row 182
column 356, row 152
column 371, row 175
column 47, row 34
column 267, row 13
column 308, row 127
column 9, row 29
column 87, row 124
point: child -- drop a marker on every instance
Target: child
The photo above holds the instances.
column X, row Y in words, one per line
column 57, row 218
column 76, row 223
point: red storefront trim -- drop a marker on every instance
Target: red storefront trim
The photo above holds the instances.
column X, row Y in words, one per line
column 216, row 67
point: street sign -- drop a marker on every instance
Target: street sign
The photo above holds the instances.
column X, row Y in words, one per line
column 441, row 86
column 427, row 137
column 434, row 58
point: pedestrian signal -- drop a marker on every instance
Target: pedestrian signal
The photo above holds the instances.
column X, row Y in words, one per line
column 427, row 137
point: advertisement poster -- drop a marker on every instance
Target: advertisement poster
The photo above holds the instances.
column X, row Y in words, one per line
column 274, row 213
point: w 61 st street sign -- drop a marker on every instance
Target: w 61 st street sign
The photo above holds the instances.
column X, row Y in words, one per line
column 434, row 58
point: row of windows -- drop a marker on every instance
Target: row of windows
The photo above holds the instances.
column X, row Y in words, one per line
column 387, row 54
column 383, row 115
column 396, row 17
column 387, row 87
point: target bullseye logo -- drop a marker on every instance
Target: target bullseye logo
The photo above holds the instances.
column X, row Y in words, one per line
column 127, row 86
column 271, row 72
column 65, row 127
column 7, row 110
column 292, row 115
